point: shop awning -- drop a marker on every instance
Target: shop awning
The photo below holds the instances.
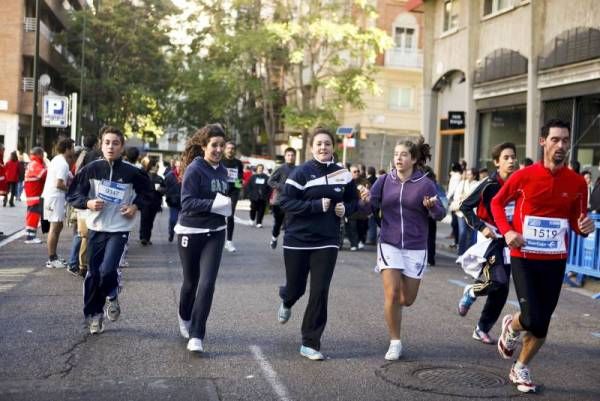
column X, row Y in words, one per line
column 412, row 4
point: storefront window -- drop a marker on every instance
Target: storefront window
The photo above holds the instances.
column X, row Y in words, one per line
column 586, row 138
column 507, row 125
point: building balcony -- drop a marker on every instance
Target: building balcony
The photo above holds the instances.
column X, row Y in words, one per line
column 398, row 57
column 53, row 54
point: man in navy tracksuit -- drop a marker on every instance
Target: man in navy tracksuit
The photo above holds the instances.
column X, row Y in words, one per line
column 112, row 191
column 316, row 196
column 277, row 182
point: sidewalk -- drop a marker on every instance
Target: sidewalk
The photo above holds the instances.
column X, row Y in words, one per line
column 12, row 219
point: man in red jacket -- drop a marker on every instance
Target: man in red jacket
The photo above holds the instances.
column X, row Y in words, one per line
column 35, row 178
column 549, row 199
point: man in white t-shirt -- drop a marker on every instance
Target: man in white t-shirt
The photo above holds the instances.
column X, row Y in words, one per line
column 55, row 189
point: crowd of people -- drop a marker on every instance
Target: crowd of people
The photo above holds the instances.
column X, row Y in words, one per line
column 509, row 221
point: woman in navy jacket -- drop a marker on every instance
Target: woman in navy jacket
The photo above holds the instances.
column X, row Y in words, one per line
column 316, row 196
column 201, row 229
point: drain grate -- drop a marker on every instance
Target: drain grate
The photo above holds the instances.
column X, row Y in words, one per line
column 462, row 380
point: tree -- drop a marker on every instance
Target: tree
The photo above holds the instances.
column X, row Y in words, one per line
column 128, row 66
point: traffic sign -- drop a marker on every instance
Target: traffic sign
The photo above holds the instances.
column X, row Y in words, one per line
column 344, row 130
column 55, row 111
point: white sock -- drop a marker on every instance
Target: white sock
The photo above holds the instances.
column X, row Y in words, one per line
column 395, row 342
column 519, row 365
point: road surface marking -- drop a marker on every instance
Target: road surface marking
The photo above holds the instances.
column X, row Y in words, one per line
column 270, row 374
column 13, row 237
column 11, row 277
column 596, row 334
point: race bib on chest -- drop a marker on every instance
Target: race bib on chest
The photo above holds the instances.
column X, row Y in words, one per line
column 112, row 192
column 232, row 174
column 260, row 181
column 545, row 235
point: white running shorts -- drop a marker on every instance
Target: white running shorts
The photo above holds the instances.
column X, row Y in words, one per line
column 411, row 262
column 54, row 209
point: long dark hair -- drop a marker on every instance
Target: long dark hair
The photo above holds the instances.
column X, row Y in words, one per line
column 419, row 150
column 193, row 147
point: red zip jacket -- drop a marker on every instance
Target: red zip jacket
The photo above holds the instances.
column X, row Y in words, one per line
column 538, row 192
column 35, row 177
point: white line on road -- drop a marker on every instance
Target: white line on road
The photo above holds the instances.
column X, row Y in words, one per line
column 270, row 374
column 13, row 237
column 463, row 284
column 596, row 334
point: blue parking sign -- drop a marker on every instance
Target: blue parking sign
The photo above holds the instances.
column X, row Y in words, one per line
column 55, row 111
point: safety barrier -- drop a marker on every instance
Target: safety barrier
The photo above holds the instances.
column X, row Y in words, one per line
column 584, row 253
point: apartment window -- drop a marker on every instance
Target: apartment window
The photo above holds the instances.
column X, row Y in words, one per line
column 401, row 98
column 451, row 14
column 494, row 6
column 404, row 38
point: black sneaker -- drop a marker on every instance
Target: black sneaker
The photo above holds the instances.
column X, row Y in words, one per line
column 74, row 270
column 144, row 242
column 171, row 237
column 273, row 243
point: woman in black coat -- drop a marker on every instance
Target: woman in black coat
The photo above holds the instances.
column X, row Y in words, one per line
column 258, row 192
column 148, row 213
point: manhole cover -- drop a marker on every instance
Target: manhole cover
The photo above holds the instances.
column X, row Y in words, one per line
column 458, row 377
column 464, row 380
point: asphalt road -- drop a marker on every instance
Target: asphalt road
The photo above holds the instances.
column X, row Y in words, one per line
column 46, row 354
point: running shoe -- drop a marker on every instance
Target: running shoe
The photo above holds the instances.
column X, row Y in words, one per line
column 55, row 264
column 34, row 240
column 259, row 225
column 353, row 248
column 74, row 270
column 96, row 325
column 273, row 243
column 283, row 314
column 522, row 379
column 394, row 351
column 195, row 345
column 311, row 353
column 360, row 245
column 229, row 246
column 508, row 340
column 465, row 301
column 184, row 327
column 113, row 310
column 482, row 336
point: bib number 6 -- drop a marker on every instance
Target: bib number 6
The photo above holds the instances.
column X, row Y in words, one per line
column 184, row 241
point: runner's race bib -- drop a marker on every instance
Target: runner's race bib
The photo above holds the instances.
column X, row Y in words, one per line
column 112, row 192
column 260, row 181
column 509, row 211
column 545, row 235
column 232, row 174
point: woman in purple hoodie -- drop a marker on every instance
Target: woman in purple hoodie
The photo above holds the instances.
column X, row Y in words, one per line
column 406, row 197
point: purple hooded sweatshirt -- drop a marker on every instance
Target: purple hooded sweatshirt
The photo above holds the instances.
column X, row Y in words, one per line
column 404, row 224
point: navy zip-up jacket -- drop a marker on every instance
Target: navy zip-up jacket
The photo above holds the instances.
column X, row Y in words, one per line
column 118, row 183
column 201, row 183
column 308, row 227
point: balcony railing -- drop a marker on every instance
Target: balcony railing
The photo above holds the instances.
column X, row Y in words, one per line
column 398, row 57
column 28, row 83
column 44, row 30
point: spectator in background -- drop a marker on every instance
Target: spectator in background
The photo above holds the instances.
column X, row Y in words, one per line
column 465, row 232
column 11, row 175
column 483, row 174
column 575, row 166
column 3, row 185
column 90, row 151
column 132, row 155
column 35, row 177
column 526, row 163
column 258, row 193
column 22, row 168
column 277, row 183
column 380, row 172
column 173, row 196
column 372, row 230
column 456, row 171
column 587, row 176
column 357, row 225
column 55, row 188
column 149, row 211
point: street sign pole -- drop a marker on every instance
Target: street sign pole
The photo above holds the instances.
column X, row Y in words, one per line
column 36, row 56
column 73, row 109
column 344, row 151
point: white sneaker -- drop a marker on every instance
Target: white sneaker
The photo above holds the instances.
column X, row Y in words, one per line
column 229, row 246
column 259, row 226
column 361, row 245
column 55, row 264
column 97, row 324
column 353, row 248
column 394, row 351
column 184, row 327
column 195, row 345
column 311, row 353
column 34, row 240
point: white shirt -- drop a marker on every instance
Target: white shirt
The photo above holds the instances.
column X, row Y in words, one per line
column 58, row 169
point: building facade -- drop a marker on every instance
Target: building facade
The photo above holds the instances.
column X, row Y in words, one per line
column 395, row 112
column 496, row 70
column 17, row 46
